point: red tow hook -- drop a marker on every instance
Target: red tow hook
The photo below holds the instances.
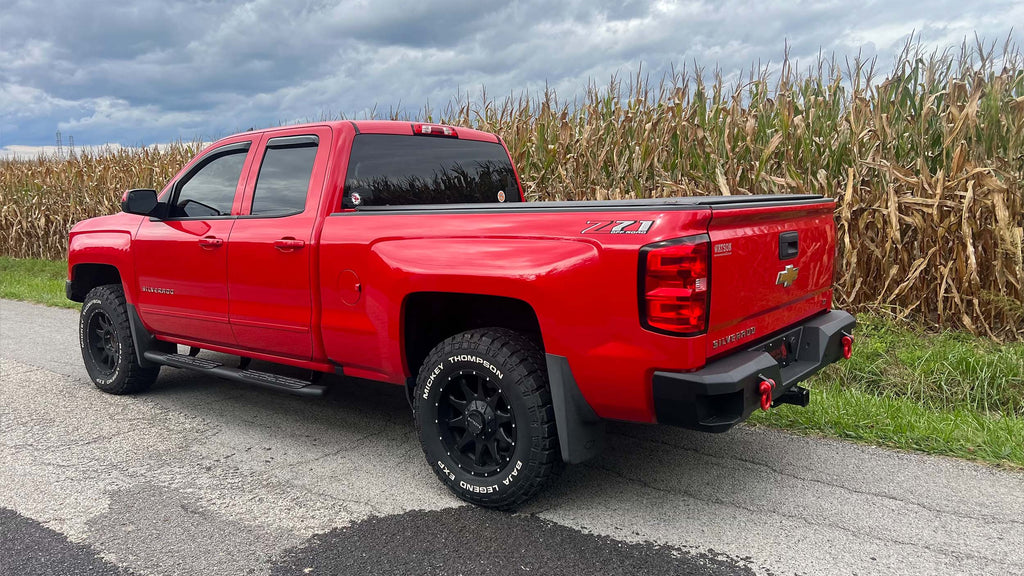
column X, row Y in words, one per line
column 765, row 388
column 847, row 346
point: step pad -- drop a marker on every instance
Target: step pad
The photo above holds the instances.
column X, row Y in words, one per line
column 276, row 379
column 191, row 361
column 255, row 377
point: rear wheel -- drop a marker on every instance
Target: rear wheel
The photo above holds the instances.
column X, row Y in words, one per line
column 107, row 347
column 484, row 416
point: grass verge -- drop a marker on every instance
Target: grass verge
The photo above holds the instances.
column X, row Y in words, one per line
column 901, row 423
column 34, row 280
column 951, row 393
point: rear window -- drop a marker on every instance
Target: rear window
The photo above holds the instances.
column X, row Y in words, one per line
column 394, row 170
column 284, row 176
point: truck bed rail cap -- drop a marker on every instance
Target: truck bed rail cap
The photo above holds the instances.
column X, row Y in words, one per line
column 677, row 203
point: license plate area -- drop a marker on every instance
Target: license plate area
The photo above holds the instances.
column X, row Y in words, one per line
column 783, row 348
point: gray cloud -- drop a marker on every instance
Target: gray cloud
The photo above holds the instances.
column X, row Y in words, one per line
column 150, row 71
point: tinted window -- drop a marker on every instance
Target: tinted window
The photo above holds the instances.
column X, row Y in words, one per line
column 284, row 176
column 211, row 190
column 389, row 169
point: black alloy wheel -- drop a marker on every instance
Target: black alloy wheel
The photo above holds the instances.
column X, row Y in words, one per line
column 476, row 423
column 102, row 342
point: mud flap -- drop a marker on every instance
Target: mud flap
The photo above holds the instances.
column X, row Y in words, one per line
column 145, row 341
column 580, row 429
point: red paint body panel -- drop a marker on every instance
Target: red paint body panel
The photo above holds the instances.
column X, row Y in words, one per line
column 182, row 266
column 744, row 292
column 271, row 296
column 582, row 288
column 168, row 256
column 106, row 240
column 339, row 299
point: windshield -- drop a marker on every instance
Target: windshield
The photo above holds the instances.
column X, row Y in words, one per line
column 395, row 170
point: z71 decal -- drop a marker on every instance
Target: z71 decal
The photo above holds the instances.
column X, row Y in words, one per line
column 618, row 227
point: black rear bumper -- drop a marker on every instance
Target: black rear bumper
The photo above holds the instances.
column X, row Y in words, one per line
column 725, row 392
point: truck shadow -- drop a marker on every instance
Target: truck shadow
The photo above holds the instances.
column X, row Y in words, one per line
column 672, row 470
column 371, row 422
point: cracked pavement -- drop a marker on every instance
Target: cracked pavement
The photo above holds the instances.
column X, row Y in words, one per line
column 204, row 476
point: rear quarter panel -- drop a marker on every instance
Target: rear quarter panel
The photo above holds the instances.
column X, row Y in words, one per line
column 583, row 288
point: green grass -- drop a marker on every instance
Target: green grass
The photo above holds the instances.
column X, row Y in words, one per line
column 951, row 393
column 901, row 423
column 945, row 371
column 33, row 280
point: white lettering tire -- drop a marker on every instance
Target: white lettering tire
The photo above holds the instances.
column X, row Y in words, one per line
column 108, row 350
column 484, row 417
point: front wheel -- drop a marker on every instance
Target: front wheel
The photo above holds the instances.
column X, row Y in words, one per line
column 107, row 347
column 484, row 416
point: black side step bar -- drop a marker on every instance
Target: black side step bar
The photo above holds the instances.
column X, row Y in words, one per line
column 255, row 377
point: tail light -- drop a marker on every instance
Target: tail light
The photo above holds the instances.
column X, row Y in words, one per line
column 434, row 130
column 674, row 285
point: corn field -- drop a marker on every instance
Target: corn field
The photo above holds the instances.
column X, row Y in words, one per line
column 926, row 166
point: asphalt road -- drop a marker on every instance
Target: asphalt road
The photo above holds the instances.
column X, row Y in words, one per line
column 204, row 476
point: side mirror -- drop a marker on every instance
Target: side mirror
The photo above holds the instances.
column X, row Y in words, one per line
column 141, row 201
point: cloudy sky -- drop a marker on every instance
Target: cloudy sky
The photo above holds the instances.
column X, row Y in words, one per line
column 149, row 71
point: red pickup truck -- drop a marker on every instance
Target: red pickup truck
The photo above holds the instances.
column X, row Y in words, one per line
column 405, row 253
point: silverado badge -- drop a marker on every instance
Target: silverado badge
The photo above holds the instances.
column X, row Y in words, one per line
column 787, row 276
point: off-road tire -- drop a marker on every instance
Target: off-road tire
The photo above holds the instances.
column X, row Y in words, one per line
column 511, row 364
column 105, row 336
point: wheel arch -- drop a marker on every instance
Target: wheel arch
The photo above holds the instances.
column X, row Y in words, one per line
column 430, row 317
column 99, row 257
column 85, row 276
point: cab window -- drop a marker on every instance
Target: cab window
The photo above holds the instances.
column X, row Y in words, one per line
column 393, row 170
column 284, row 176
column 209, row 190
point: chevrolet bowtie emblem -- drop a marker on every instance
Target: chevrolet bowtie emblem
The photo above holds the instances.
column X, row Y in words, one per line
column 787, row 276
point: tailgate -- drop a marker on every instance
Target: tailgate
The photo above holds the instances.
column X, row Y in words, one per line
column 771, row 266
